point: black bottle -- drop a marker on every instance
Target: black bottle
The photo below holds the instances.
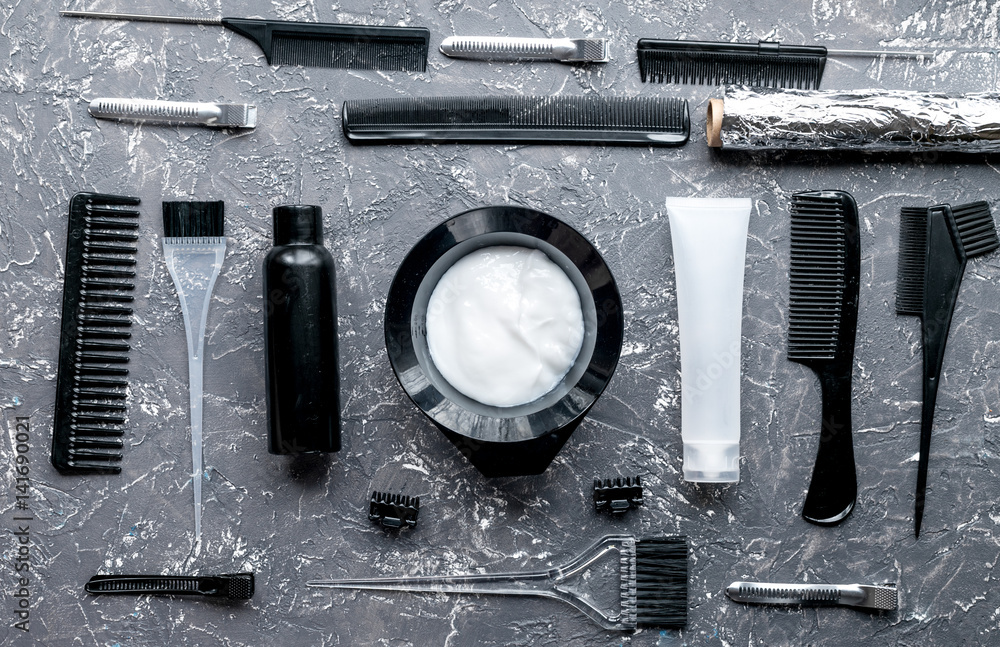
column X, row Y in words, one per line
column 300, row 336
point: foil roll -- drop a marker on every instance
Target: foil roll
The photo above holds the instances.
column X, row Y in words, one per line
column 863, row 120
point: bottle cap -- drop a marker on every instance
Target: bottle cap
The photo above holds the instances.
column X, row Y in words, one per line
column 298, row 224
column 709, row 462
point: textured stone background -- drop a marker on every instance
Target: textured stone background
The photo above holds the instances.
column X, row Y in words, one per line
column 292, row 522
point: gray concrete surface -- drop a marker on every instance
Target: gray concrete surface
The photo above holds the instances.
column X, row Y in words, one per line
column 292, row 521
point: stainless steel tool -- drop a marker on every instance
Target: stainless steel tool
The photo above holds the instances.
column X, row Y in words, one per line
column 503, row 48
column 877, row 598
column 216, row 115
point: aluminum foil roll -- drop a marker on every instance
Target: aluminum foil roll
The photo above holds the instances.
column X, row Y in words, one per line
column 866, row 120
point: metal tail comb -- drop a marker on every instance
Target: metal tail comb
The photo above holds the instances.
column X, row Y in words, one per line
column 216, row 115
column 861, row 596
column 502, row 48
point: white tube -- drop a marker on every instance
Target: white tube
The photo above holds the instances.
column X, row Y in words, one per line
column 709, row 238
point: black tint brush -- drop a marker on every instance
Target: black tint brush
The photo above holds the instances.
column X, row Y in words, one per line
column 935, row 245
column 314, row 44
column 825, row 276
column 649, row 589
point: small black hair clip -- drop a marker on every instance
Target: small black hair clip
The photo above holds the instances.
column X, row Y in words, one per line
column 234, row 586
column 393, row 511
column 617, row 495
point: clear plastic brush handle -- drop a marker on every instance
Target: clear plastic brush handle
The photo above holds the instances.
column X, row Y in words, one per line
column 194, row 265
column 559, row 583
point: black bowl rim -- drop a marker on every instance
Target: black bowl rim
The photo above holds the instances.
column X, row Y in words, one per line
column 503, row 219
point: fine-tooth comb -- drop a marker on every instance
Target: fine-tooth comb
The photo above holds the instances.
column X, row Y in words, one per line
column 232, row 586
column 93, row 343
column 649, row 587
column 393, row 511
column 765, row 64
column 586, row 119
column 505, row 48
column 824, row 282
column 861, row 596
column 935, row 245
column 314, row 44
column 215, row 115
column 617, row 495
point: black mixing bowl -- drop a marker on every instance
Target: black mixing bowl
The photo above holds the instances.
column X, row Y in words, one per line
column 504, row 441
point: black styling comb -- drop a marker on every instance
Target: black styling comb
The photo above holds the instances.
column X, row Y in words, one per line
column 617, row 495
column 655, row 121
column 765, row 64
column 394, row 511
column 231, row 586
column 825, row 277
column 935, row 245
column 93, row 344
column 313, row 44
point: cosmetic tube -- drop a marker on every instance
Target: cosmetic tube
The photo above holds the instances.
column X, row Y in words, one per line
column 709, row 238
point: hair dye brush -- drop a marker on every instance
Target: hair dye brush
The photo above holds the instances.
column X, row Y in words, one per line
column 825, row 275
column 935, row 245
column 649, row 587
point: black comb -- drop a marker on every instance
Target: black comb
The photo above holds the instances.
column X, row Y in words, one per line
column 825, row 277
column 393, row 511
column 232, row 586
column 91, row 385
column 766, row 64
column 655, row 121
column 935, row 245
column 317, row 44
column 617, row 495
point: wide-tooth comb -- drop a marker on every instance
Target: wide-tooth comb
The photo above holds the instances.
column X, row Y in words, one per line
column 824, row 282
column 655, row 121
column 506, row 48
column 860, row 596
column 935, row 245
column 233, row 586
column 91, row 385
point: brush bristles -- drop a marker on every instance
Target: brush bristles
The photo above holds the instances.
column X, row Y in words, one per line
column 976, row 228
column 817, row 276
column 193, row 219
column 662, row 582
column 912, row 264
column 726, row 68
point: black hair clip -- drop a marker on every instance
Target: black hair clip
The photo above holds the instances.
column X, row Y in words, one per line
column 617, row 495
column 393, row 511
column 234, row 586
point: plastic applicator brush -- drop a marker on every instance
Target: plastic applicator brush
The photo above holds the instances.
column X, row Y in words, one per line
column 194, row 247
column 935, row 245
column 648, row 588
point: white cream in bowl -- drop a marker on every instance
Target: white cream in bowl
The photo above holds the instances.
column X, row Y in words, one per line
column 504, row 325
